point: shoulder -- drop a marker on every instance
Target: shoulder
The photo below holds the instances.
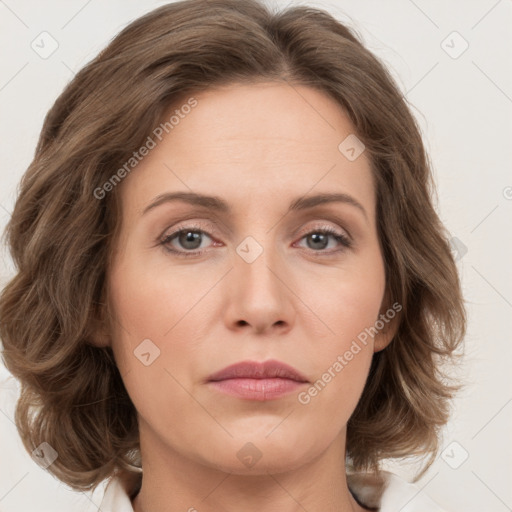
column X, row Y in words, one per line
column 387, row 492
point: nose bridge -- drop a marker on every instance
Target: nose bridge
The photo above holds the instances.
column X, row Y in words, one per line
column 259, row 296
column 256, row 265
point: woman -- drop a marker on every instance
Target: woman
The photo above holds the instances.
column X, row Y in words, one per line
column 174, row 325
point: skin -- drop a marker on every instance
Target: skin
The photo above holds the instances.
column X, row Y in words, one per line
column 258, row 147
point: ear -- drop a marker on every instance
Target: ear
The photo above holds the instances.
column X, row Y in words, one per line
column 387, row 323
column 99, row 330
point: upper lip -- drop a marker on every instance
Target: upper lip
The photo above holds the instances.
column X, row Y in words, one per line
column 256, row 370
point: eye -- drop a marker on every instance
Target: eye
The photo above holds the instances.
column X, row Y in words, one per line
column 318, row 240
column 189, row 238
column 189, row 241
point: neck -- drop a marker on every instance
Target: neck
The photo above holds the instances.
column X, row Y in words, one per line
column 174, row 482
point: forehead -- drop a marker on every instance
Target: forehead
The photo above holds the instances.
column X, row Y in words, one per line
column 252, row 144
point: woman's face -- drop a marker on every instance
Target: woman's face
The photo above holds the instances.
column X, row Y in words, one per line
column 261, row 281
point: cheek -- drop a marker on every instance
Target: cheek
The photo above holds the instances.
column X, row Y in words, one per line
column 342, row 364
column 348, row 307
column 151, row 301
column 157, row 330
column 347, row 298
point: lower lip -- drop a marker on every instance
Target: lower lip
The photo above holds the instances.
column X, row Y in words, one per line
column 257, row 389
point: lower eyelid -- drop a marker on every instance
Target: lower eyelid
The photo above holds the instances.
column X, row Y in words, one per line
column 343, row 240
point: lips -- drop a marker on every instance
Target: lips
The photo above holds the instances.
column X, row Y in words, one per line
column 255, row 381
column 255, row 370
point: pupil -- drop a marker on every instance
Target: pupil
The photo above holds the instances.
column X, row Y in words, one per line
column 190, row 237
column 322, row 237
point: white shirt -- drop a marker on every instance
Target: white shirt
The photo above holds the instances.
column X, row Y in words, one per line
column 395, row 495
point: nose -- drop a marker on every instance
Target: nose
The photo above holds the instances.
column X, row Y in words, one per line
column 260, row 296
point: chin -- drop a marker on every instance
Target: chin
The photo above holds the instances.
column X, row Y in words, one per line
column 260, row 454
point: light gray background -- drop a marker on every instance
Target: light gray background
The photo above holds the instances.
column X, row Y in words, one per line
column 464, row 106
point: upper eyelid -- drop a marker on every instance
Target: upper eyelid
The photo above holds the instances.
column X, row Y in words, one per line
column 192, row 226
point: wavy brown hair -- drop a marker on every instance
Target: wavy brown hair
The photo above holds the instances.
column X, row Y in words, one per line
column 61, row 237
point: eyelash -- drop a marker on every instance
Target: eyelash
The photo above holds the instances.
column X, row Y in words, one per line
column 325, row 230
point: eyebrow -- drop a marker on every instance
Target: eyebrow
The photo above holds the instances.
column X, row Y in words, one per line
column 220, row 205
